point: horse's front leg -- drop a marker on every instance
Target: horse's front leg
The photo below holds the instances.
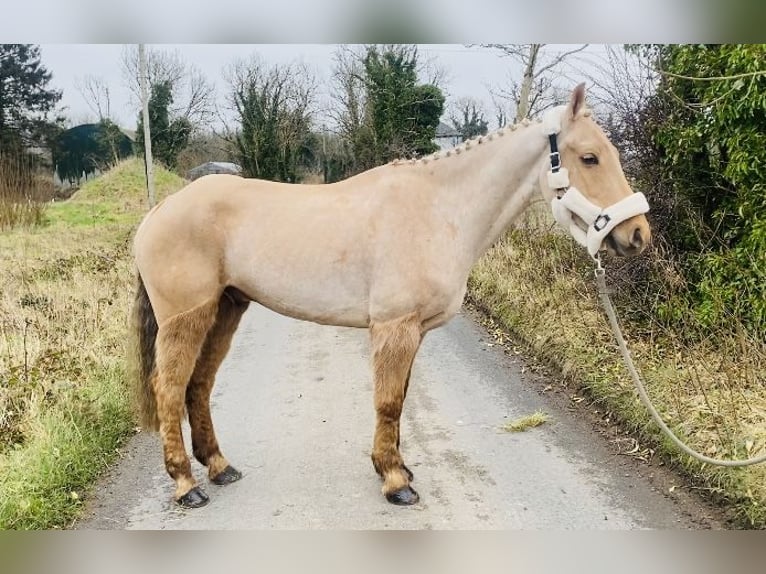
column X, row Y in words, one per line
column 394, row 345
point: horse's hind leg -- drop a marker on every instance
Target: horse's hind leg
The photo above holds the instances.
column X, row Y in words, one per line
column 178, row 345
column 204, row 443
column 394, row 345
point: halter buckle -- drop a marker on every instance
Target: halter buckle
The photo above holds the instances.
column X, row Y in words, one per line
column 601, row 221
column 555, row 161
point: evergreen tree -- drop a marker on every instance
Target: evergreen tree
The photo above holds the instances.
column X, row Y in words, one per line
column 383, row 112
column 403, row 114
column 25, row 98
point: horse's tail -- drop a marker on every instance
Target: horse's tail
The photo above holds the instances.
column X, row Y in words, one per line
column 144, row 335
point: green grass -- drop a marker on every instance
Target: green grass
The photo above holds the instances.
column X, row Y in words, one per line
column 65, row 290
column 117, row 197
column 85, row 213
column 43, row 481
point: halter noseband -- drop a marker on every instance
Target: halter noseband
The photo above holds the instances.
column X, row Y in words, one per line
column 570, row 202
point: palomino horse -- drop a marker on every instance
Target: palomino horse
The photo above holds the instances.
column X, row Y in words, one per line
column 389, row 249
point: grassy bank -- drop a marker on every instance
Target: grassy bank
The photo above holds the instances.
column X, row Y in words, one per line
column 65, row 289
column 538, row 285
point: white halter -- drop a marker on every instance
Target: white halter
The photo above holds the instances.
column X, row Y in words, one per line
column 599, row 221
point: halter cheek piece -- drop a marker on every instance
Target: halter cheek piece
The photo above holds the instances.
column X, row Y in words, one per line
column 570, row 202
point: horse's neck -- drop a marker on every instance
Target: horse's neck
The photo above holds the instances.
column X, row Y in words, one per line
column 487, row 185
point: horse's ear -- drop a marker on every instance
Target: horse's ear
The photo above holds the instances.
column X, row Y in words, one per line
column 577, row 100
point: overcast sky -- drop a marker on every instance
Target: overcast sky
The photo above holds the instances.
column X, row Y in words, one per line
column 469, row 71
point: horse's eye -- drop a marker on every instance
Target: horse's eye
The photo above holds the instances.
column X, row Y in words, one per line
column 589, row 159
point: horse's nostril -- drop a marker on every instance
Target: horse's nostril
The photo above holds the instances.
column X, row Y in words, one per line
column 637, row 240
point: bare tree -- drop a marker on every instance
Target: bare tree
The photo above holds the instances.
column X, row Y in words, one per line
column 349, row 93
column 620, row 81
column 432, row 71
column 349, row 90
column 96, row 94
column 536, row 90
column 621, row 84
column 193, row 94
column 500, row 109
column 348, row 110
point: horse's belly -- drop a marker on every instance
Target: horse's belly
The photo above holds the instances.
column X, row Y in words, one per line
column 324, row 315
column 333, row 300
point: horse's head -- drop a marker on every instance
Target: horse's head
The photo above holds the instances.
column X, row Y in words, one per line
column 589, row 193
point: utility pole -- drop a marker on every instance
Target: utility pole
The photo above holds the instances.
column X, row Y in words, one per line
column 143, row 80
column 324, row 153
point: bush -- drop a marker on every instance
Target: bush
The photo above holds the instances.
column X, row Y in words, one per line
column 711, row 140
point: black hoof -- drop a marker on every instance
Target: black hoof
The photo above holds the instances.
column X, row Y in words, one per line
column 226, row 476
column 403, row 497
column 195, row 498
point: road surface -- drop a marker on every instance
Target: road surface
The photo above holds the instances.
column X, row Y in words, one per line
column 293, row 411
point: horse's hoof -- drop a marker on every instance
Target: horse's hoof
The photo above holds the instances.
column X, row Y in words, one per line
column 195, row 498
column 403, row 497
column 226, row 476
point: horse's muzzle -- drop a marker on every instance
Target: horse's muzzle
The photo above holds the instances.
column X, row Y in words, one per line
column 630, row 243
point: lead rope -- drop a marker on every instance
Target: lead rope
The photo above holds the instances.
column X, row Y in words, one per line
column 607, row 303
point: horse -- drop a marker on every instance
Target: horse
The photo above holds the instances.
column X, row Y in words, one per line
column 389, row 250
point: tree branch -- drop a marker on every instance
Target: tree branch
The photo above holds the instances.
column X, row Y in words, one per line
column 713, row 78
column 559, row 58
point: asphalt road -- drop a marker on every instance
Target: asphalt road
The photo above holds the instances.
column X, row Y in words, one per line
column 293, row 411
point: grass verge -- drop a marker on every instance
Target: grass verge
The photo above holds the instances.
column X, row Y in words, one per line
column 65, row 291
column 538, row 285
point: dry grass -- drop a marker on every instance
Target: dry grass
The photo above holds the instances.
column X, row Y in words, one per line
column 23, row 192
column 64, row 297
column 527, row 422
column 709, row 386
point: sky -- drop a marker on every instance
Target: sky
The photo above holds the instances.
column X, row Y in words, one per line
column 469, row 71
